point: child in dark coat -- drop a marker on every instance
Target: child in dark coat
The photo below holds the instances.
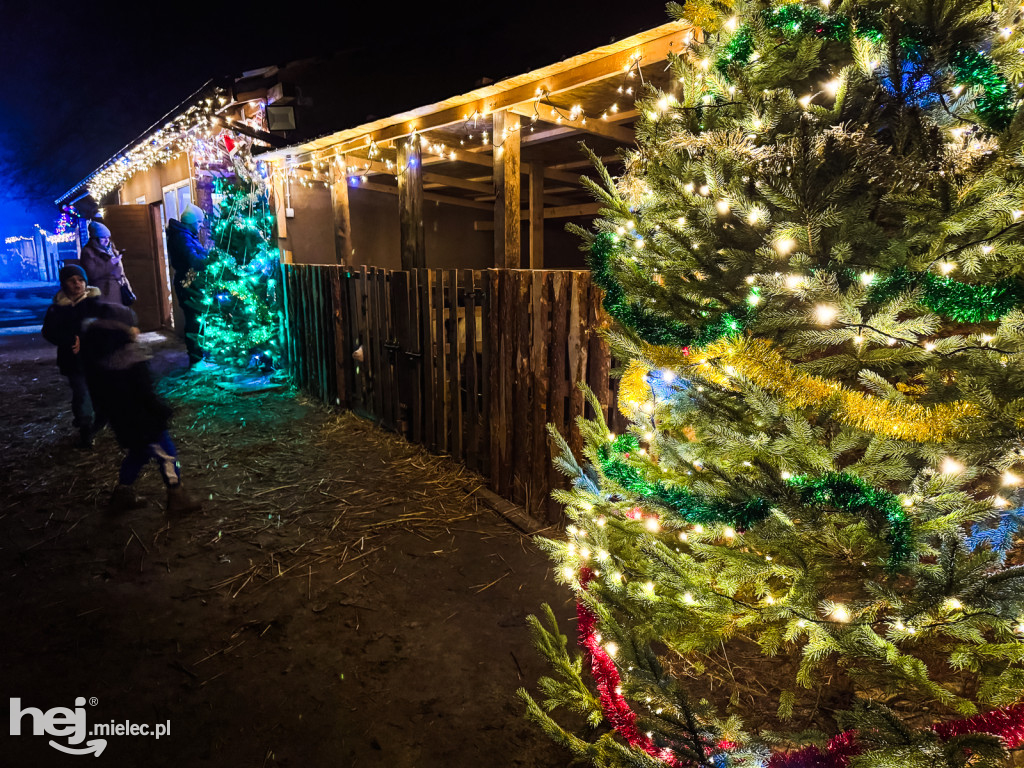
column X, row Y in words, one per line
column 119, row 380
column 62, row 325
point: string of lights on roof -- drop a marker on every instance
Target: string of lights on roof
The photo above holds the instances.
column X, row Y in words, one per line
column 190, row 131
column 357, row 169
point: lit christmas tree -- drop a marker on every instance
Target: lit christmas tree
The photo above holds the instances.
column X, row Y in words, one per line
column 806, row 550
column 237, row 289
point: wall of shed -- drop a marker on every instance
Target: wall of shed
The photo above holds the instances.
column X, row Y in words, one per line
column 151, row 182
column 451, row 241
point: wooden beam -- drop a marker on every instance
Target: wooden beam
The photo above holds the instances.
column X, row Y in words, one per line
column 376, row 166
column 342, row 217
column 429, row 196
column 506, row 191
column 410, row 205
column 593, row 125
column 536, row 215
column 561, row 212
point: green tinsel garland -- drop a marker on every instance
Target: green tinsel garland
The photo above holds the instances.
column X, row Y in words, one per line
column 852, row 495
column 970, row 67
column 839, row 490
column 961, row 302
column 688, row 506
column 649, row 326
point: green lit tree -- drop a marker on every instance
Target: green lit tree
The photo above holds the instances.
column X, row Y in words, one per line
column 237, row 289
column 806, row 549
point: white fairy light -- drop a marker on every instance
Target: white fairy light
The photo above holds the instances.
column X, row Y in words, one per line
column 784, row 245
column 826, row 314
column 951, row 466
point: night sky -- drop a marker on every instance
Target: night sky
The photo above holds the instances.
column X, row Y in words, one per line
column 81, row 80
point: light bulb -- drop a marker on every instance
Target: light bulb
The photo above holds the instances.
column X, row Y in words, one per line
column 826, row 314
column 839, row 613
column 951, row 466
column 784, row 245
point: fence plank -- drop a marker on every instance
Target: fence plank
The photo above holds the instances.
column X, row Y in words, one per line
column 522, row 434
column 362, row 308
column 470, row 446
column 540, row 348
column 578, row 348
column 599, row 365
column 322, row 338
column 496, row 279
column 338, row 328
column 440, row 369
column 454, row 374
column 558, row 393
column 424, row 287
column 414, row 346
column 401, row 384
column 389, row 394
column 506, row 376
column 486, row 355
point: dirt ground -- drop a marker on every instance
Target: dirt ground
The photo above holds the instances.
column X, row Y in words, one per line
column 341, row 600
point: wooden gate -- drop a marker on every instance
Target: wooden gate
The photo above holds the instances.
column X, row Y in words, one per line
column 469, row 363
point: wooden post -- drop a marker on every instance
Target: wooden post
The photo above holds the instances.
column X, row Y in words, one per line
column 506, row 190
column 342, row 217
column 536, row 215
column 410, row 204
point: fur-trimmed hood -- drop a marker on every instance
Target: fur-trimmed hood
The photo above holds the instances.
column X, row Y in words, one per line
column 63, row 300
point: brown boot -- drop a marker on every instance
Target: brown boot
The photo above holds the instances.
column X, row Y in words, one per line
column 124, row 499
column 179, row 502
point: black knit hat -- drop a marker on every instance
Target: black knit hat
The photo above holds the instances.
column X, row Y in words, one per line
column 71, row 270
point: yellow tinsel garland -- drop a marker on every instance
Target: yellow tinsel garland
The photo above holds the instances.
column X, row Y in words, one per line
column 757, row 361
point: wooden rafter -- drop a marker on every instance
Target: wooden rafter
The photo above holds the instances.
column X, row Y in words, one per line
column 593, row 125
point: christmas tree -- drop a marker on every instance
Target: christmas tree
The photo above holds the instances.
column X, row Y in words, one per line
column 237, row 289
column 806, row 549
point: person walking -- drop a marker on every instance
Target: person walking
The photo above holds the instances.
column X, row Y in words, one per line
column 187, row 254
column 102, row 264
column 62, row 326
column 121, row 386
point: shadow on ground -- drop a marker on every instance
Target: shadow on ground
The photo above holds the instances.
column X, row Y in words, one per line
column 341, row 600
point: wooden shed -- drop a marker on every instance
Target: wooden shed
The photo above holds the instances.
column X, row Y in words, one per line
column 429, row 283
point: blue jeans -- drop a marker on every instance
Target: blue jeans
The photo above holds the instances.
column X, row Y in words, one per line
column 162, row 452
column 81, row 404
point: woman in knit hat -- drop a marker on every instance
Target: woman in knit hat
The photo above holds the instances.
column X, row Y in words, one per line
column 102, row 264
column 74, row 302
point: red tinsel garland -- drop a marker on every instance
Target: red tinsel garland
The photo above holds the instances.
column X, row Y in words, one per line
column 1007, row 723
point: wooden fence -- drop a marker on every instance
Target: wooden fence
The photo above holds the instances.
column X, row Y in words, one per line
column 469, row 363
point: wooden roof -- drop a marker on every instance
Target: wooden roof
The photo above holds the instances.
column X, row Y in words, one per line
column 585, row 97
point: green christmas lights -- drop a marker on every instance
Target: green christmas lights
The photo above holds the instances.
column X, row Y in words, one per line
column 239, row 284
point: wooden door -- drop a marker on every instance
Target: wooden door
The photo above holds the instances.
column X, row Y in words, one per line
column 137, row 232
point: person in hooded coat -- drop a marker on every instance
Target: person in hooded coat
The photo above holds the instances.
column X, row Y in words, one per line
column 186, row 253
column 121, row 386
column 102, row 264
column 62, row 326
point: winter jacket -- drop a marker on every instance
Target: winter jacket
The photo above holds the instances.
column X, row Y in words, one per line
column 63, row 322
column 120, row 383
column 184, row 250
column 103, row 273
